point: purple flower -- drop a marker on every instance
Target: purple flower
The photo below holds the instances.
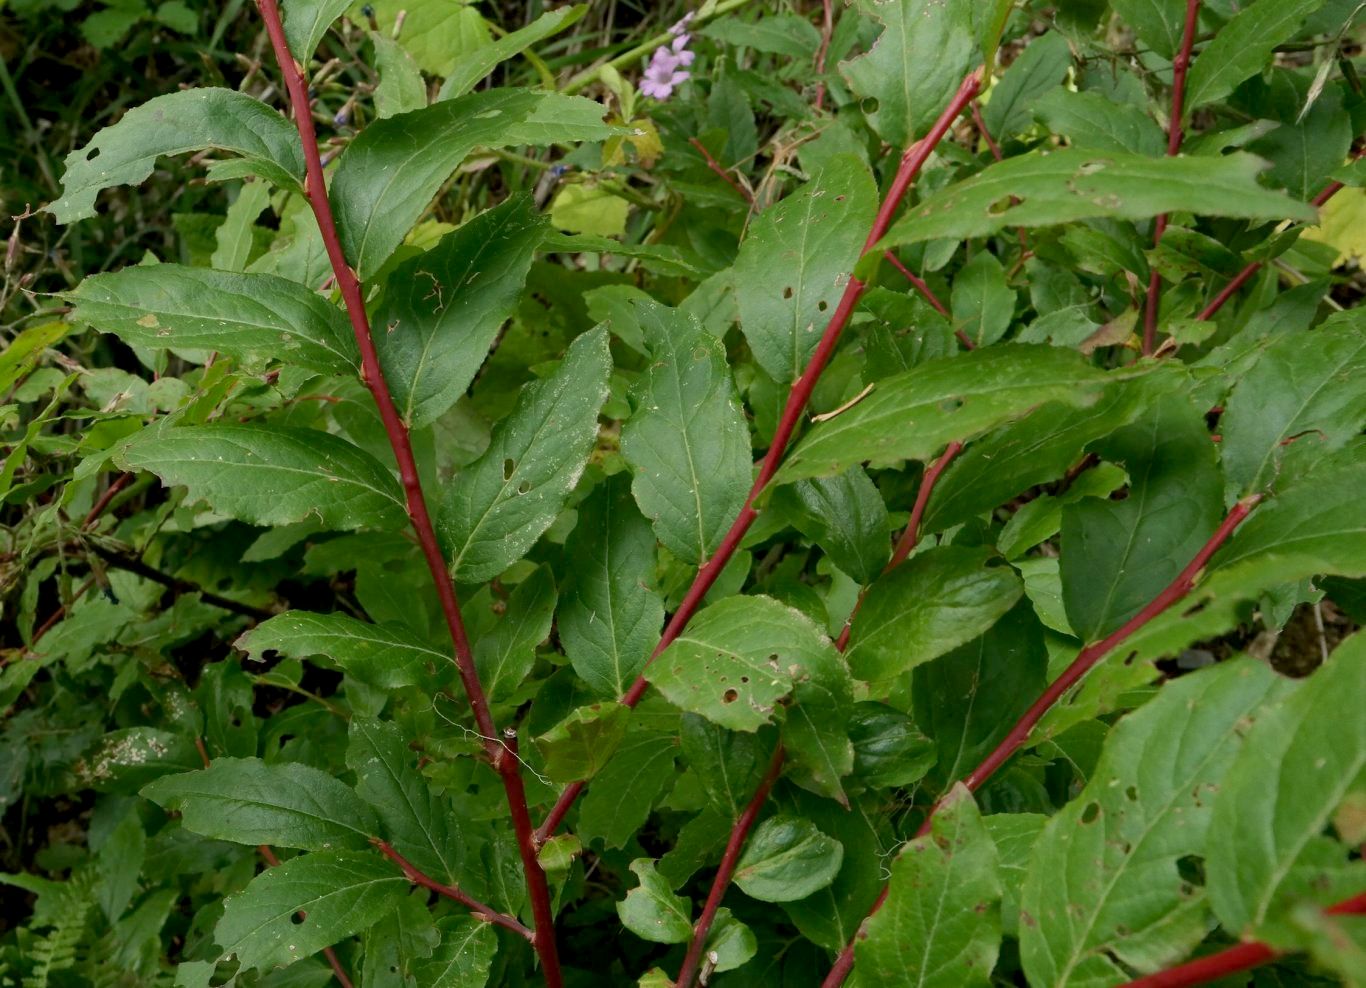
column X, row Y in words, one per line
column 669, row 65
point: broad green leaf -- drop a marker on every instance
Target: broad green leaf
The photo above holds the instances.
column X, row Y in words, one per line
column 830, row 916
column 931, row 604
column 505, row 653
column 1267, row 851
column 1094, row 122
column 249, row 316
column 795, row 264
column 845, row 516
column 1070, row 184
column 475, row 65
column 125, row 759
column 651, row 911
column 1118, row 555
column 738, row 658
column 235, row 240
column 442, row 309
column 687, row 440
column 464, row 956
column 306, row 22
column 728, row 764
column 584, row 207
column 889, row 749
column 401, row 87
column 286, row 804
column 914, row 415
column 413, row 818
column 396, row 945
column 1014, row 835
column 340, row 892
column 1104, row 893
column 967, row 700
column 1039, row 69
column 941, row 924
column 1305, row 152
column 178, row 123
column 982, row 303
column 1159, row 23
column 905, row 330
column 268, row 475
column 1303, row 396
column 379, row 655
column 730, row 942
column 498, row 506
column 1243, row 46
column 581, row 744
column 438, row 34
column 623, row 794
column 816, row 729
column 387, row 176
column 915, row 66
column 609, row 616
column 787, row 859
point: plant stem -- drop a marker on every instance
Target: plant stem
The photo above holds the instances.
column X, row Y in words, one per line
column 797, row 398
column 721, row 172
column 1174, row 133
column 1240, row 958
column 502, row 752
column 453, row 892
column 1084, row 661
column 827, row 29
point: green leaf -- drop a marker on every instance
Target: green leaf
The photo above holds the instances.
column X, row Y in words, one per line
column 464, row 956
column 1160, row 23
column 687, row 440
column 399, row 943
column 941, row 924
column 795, row 264
column 651, row 911
column 1266, row 850
column 787, row 859
column 415, row 821
column 1118, row 555
column 967, row 700
column 383, row 656
column 738, row 658
column 474, row 66
column 123, row 760
column 268, row 475
column 780, row 34
column 1094, row 122
column 889, row 750
column 1243, row 47
column 498, row 506
column 1039, row 69
column 1302, row 397
column 442, row 309
column 931, row 604
column 728, row 764
column 178, row 123
column 915, row 66
column 387, row 176
column 845, row 516
column 401, row 87
column 340, row 892
column 609, row 617
column 623, row 794
column 249, row 316
column 982, row 303
column 730, row 942
column 306, row 21
column 1104, row 893
column 1070, row 184
column 236, row 238
column 505, row 653
column 1014, row 835
column 581, row 744
column 915, row 414
column 583, row 207
column 286, row 804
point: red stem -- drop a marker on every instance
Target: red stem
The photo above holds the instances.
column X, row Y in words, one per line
column 1240, row 958
column 453, row 892
column 1088, row 657
column 992, row 146
column 924, row 289
column 797, row 398
column 499, row 753
column 724, row 175
column 692, row 961
column 1174, row 133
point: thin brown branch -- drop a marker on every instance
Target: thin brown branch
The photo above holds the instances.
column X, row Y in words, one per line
column 722, row 173
column 452, row 892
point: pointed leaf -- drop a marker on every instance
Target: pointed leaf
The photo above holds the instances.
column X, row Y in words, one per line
column 464, row 956
column 505, row 653
column 845, row 516
column 306, row 21
column 474, row 66
column 382, row 656
column 1243, row 46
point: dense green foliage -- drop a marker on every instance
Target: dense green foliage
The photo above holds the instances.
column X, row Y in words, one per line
column 1086, row 410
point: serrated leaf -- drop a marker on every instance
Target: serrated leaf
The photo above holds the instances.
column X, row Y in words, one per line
column 581, row 744
column 1039, row 69
column 256, row 316
column 498, row 506
column 651, row 911
column 341, row 893
column 687, row 439
column 387, row 176
column 1266, row 851
column 941, row 924
column 269, row 475
column 915, row 414
column 475, row 65
column 1061, row 186
column 464, row 956
column 845, row 516
column 934, row 602
column 787, row 858
column 415, row 821
column 1104, row 894
column 247, row 801
column 795, row 264
column 382, row 656
column 178, row 123
column 1243, row 46
column 914, row 67
column 609, row 616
